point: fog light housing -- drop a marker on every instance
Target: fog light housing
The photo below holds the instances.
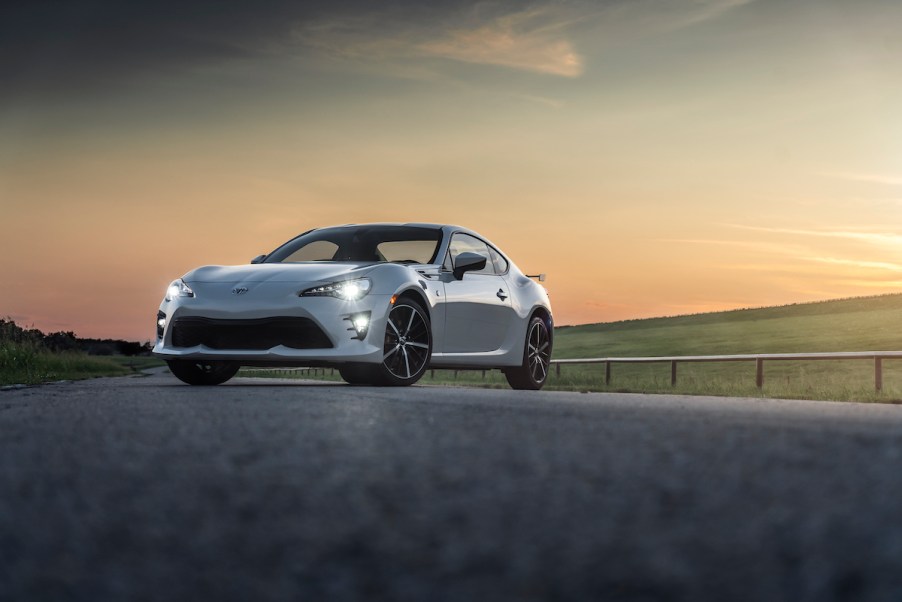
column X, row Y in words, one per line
column 360, row 324
column 161, row 324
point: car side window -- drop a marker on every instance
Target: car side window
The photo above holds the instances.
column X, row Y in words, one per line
column 464, row 243
column 498, row 261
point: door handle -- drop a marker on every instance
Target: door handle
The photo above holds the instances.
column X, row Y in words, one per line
column 501, row 294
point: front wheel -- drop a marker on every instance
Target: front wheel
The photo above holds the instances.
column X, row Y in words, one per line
column 360, row 374
column 202, row 372
column 407, row 347
column 531, row 375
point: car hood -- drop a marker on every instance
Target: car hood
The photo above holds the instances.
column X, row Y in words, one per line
column 277, row 272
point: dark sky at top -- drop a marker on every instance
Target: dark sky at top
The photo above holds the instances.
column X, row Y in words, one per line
column 56, row 47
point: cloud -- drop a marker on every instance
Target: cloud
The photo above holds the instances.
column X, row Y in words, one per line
column 533, row 40
column 878, row 284
column 637, row 19
column 753, row 245
column 875, row 238
column 522, row 40
column 872, row 178
column 542, row 38
column 705, row 10
column 878, row 265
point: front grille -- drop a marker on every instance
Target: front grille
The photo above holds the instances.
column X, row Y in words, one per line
column 263, row 333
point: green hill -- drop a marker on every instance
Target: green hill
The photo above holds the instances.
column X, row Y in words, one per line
column 859, row 324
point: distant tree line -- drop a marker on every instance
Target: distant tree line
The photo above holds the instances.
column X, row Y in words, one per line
column 67, row 341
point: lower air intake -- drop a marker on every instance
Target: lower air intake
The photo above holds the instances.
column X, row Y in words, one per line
column 259, row 334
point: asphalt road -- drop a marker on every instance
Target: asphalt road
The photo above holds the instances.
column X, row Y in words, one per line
column 146, row 489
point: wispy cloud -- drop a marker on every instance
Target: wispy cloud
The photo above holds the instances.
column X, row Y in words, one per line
column 877, row 265
column 692, row 13
column 540, row 39
column 877, row 238
column 887, row 285
column 753, row 245
column 636, row 19
column 526, row 40
column 872, row 178
column 533, row 40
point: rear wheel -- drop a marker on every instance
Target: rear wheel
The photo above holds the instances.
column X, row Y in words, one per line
column 408, row 344
column 201, row 372
column 533, row 372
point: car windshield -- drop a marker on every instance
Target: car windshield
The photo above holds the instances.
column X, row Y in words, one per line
column 401, row 244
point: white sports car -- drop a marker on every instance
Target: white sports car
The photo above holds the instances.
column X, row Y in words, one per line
column 379, row 302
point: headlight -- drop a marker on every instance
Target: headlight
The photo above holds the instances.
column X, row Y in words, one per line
column 178, row 288
column 349, row 290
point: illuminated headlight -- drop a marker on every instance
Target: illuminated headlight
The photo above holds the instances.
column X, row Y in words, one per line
column 349, row 290
column 178, row 288
column 360, row 324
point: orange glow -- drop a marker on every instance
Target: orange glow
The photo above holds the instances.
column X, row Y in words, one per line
column 710, row 156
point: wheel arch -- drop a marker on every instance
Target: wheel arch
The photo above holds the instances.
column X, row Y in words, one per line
column 545, row 314
column 417, row 294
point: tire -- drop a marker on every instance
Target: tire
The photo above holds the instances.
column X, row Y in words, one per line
column 202, row 372
column 533, row 373
column 408, row 345
column 360, row 374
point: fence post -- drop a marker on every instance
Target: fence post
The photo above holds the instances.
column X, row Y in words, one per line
column 759, row 372
column 878, row 374
column 673, row 365
column 607, row 373
column 557, row 369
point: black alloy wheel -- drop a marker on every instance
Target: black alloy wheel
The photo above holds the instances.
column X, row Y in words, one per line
column 408, row 344
column 533, row 373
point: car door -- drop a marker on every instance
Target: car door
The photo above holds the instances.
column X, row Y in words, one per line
column 478, row 310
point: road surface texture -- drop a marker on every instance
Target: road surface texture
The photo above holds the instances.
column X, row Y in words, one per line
column 147, row 489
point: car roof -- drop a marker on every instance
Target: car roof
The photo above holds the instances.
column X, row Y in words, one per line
column 410, row 224
column 431, row 226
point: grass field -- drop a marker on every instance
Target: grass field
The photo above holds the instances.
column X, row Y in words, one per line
column 27, row 364
column 860, row 324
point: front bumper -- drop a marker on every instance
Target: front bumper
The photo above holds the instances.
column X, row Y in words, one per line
column 331, row 315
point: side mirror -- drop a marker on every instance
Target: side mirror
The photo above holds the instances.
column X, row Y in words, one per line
column 468, row 262
column 258, row 259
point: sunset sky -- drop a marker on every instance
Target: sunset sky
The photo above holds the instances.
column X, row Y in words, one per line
column 654, row 157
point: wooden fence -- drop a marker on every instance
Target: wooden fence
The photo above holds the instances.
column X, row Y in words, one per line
column 875, row 356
